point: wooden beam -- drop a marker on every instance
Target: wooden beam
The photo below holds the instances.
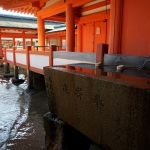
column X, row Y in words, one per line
column 50, row 8
column 62, row 19
column 77, row 3
column 54, row 12
column 17, row 35
column 35, row 4
column 19, row 29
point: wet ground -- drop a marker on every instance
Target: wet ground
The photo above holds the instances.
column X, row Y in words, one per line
column 21, row 113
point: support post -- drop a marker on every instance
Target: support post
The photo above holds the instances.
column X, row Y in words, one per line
column 16, row 72
column 41, row 33
column 52, row 48
column 116, row 13
column 30, row 79
column 7, row 69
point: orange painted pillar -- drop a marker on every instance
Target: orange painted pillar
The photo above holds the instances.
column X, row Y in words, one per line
column 14, row 44
column 60, row 43
column 70, row 28
column 24, row 40
column 41, row 33
column 116, row 14
column 79, row 38
column 31, row 42
column 1, row 52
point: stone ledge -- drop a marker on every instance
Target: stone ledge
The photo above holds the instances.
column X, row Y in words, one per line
column 111, row 112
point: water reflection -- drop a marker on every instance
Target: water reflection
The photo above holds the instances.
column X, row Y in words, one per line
column 21, row 112
column 14, row 105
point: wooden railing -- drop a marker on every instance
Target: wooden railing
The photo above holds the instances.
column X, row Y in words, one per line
column 35, row 60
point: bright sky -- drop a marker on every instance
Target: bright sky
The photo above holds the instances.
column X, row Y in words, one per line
column 14, row 13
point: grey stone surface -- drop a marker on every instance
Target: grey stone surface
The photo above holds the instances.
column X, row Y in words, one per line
column 112, row 112
column 55, row 130
column 61, row 136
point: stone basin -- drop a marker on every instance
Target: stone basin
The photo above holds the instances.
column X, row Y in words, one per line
column 112, row 109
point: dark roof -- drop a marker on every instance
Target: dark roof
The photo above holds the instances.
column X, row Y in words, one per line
column 11, row 21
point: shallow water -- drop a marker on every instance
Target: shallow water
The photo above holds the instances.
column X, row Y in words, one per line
column 21, row 112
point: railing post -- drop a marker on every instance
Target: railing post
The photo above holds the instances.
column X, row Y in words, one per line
column 29, row 73
column 5, row 59
column 14, row 61
column 101, row 50
column 28, row 48
column 7, row 69
column 16, row 72
column 14, row 57
column 52, row 48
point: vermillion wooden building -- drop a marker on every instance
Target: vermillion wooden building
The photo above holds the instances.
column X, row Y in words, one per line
column 123, row 24
column 114, row 112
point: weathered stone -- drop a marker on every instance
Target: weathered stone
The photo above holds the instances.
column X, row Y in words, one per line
column 112, row 112
column 95, row 147
column 61, row 136
column 54, row 128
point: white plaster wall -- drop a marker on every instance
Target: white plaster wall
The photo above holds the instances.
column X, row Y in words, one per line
column 39, row 61
column 21, row 58
column 9, row 56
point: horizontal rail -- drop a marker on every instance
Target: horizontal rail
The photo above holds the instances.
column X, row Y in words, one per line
column 36, row 60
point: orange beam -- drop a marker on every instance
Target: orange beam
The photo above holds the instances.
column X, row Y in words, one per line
column 55, row 11
column 59, row 7
column 51, row 7
column 95, row 17
column 16, row 35
column 26, row 30
column 61, row 19
column 77, row 3
column 55, row 18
